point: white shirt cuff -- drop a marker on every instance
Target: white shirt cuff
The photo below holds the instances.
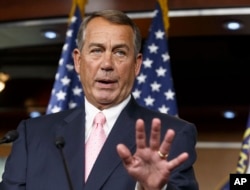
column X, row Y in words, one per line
column 138, row 186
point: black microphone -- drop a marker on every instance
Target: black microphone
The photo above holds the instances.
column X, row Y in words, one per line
column 60, row 144
column 10, row 136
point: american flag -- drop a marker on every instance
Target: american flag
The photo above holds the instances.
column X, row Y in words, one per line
column 154, row 85
column 243, row 165
column 67, row 91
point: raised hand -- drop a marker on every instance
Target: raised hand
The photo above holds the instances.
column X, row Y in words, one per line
column 149, row 165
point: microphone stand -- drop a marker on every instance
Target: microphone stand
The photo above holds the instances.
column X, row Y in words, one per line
column 60, row 144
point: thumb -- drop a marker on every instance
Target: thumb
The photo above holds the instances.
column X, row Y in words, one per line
column 124, row 154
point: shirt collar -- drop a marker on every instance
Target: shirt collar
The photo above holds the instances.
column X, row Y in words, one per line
column 111, row 114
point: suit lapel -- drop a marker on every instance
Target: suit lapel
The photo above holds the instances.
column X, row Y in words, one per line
column 72, row 129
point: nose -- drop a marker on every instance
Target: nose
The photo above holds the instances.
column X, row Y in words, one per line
column 107, row 63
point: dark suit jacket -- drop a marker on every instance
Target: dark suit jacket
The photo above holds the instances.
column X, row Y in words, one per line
column 35, row 163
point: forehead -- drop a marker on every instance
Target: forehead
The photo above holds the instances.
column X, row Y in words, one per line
column 100, row 26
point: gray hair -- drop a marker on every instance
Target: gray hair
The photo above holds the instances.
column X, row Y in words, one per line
column 113, row 16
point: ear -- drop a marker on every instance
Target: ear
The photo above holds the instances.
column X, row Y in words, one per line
column 77, row 60
column 138, row 64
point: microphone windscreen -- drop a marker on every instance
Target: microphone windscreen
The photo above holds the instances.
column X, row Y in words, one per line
column 11, row 136
column 60, row 142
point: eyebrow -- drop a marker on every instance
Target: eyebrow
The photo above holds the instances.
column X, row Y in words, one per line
column 96, row 44
column 122, row 45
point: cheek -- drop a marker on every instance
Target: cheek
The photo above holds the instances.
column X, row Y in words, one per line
column 87, row 71
column 128, row 75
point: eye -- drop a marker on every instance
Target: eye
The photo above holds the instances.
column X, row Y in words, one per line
column 120, row 53
column 96, row 51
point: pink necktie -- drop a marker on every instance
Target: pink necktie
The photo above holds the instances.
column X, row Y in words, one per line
column 94, row 143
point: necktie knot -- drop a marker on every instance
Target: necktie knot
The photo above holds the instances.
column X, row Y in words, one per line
column 99, row 119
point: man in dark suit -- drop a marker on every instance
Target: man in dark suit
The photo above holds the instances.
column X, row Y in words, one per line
column 108, row 59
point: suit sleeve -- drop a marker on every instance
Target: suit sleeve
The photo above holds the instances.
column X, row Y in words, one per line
column 183, row 177
column 14, row 175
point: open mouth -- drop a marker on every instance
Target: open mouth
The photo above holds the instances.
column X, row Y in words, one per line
column 106, row 83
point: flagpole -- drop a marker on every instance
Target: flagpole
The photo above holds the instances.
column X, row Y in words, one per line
column 164, row 8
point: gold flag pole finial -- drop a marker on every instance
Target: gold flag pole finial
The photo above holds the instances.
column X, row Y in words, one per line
column 164, row 9
column 81, row 4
